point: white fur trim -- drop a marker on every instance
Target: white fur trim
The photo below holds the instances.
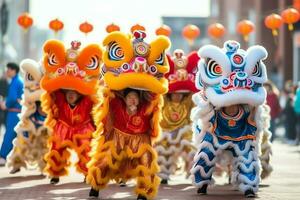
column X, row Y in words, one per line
column 237, row 97
column 254, row 54
column 217, row 54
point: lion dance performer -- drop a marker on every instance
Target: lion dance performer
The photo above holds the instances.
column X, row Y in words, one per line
column 129, row 116
column 176, row 140
column 228, row 113
column 30, row 145
column 71, row 83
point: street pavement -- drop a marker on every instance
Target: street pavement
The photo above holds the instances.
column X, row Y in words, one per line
column 283, row 184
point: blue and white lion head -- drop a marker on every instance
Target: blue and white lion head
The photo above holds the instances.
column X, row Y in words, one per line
column 231, row 75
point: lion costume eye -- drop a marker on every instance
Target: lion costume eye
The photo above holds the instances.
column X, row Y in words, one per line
column 257, row 70
column 213, row 69
column 115, row 52
column 52, row 60
column 94, row 63
column 29, row 77
column 160, row 59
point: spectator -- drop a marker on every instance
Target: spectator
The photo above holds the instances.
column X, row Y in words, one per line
column 297, row 111
column 289, row 115
column 3, row 94
column 13, row 107
column 273, row 102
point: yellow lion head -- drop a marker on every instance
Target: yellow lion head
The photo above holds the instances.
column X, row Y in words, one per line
column 71, row 68
column 130, row 62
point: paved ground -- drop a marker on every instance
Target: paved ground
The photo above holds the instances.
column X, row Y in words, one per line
column 283, row 184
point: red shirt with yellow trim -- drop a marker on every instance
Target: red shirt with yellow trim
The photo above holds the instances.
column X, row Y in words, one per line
column 138, row 123
column 77, row 120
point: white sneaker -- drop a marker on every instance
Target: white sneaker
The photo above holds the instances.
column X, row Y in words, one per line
column 2, row 162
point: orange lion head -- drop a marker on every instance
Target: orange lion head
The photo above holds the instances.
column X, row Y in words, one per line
column 71, row 68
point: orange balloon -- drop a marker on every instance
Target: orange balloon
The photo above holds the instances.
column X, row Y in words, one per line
column 56, row 25
column 245, row 27
column 25, row 20
column 190, row 32
column 86, row 27
column 137, row 27
column 112, row 27
column 273, row 22
column 164, row 30
column 290, row 16
column 216, row 30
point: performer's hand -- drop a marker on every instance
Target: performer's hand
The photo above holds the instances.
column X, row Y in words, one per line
column 2, row 105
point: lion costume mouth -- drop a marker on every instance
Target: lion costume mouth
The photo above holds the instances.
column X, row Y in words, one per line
column 140, row 81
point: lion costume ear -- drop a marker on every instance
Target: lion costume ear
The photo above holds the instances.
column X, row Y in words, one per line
column 54, row 55
column 31, row 68
column 157, row 54
column 90, row 59
column 193, row 59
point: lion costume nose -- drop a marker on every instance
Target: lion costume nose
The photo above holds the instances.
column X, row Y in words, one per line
column 140, row 64
column 240, row 79
column 71, row 68
column 241, row 75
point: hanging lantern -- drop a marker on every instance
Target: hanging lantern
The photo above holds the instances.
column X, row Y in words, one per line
column 25, row 21
column 245, row 27
column 190, row 33
column 296, row 4
column 137, row 27
column 273, row 22
column 56, row 25
column 86, row 27
column 112, row 27
column 216, row 30
column 164, row 30
column 290, row 16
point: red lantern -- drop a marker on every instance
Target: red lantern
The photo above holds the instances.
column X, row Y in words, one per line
column 86, row 27
column 190, row 33
column 296, row 4
column 273, row 22
column 112, row 27
column 137, row 27
column 25, row 21
column 245, row 27
column 164, row 30
column 290, row 16
column 216, row 30
column 56, row 25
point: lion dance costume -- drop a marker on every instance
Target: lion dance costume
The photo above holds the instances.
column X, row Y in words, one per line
column 229, row 77
column 30, row 145
column 124, row 148
column 177, row 136
column 72, row 128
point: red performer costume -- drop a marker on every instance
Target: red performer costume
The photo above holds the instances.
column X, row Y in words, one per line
column 71, row 83
column 73, row 129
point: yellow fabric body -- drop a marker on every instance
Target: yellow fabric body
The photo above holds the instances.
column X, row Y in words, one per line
column 119, row 156
column 176, row 115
